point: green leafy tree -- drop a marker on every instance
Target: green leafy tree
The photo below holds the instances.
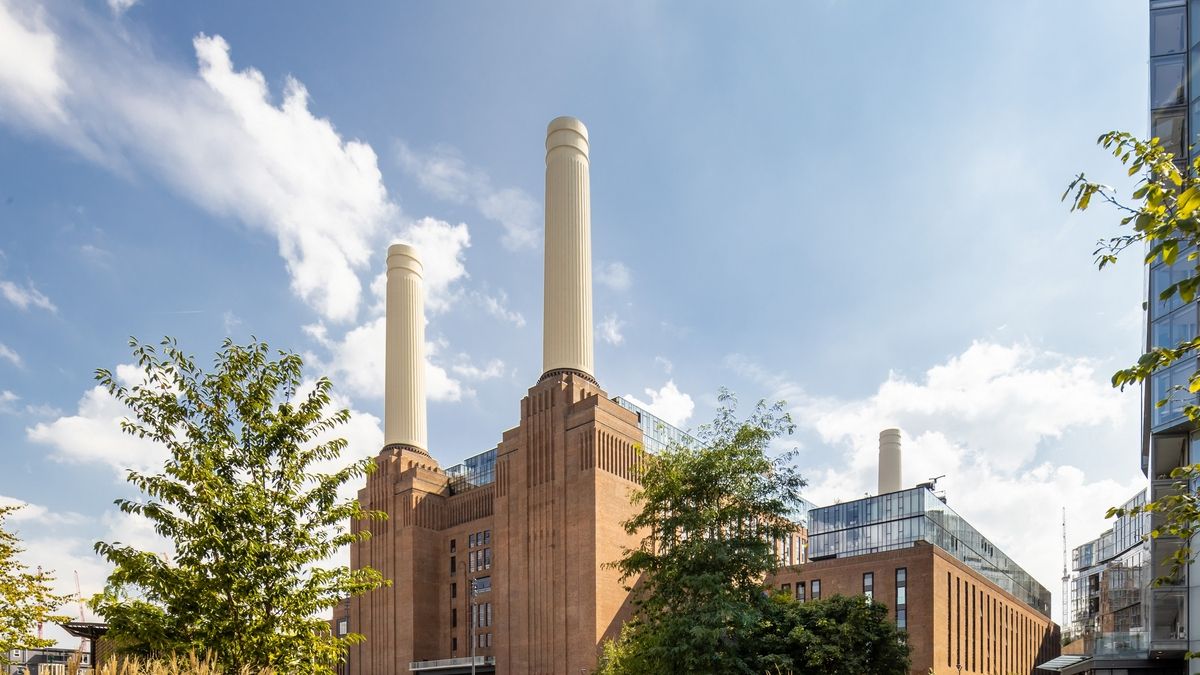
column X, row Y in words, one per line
column 248, row 505
column 709, row 516
column 838, row 635
column 1161, row 219
column 26, row 598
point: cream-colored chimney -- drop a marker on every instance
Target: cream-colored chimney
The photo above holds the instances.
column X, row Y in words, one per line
column 404, row 377
column 567, row 328
column 889, row 461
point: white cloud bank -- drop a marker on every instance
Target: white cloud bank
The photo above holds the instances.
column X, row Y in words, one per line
column 24, row 297
column 214, row 135
column 982, row 419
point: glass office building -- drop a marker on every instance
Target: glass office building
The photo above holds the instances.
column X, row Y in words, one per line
column 899, row 520
column 1168, row 438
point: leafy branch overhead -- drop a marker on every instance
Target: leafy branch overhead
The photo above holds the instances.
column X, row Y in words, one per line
column 248, row 500
column 1161, row 214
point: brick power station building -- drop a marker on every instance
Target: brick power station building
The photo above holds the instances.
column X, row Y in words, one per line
column 499, row 563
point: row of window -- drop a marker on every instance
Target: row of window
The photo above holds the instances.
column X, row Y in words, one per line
column 474, row 539
column 868, row 589
column 481, row 615
column 479, row 560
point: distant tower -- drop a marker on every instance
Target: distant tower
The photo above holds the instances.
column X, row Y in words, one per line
column 1066, row 577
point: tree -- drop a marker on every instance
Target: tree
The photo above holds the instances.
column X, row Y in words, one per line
column 838, row 635
column 1163, row 217
column 709, row 516
column 245, row 505
column 26, row 598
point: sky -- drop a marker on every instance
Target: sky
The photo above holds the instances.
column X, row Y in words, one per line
column 852, row 207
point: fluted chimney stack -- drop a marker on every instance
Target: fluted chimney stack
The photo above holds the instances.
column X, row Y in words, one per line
column 889, row 461
column 404, row 378
column 567, row 324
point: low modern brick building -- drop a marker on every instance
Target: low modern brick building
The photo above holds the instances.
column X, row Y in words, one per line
column 967, row 607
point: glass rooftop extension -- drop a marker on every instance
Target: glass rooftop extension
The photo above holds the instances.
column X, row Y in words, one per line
column 900, row 519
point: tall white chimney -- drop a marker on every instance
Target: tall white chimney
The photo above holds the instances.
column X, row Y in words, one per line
column 889, row 461
column 567, row 324
column 404, row 369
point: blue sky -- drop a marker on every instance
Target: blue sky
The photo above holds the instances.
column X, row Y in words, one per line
column 852, row 206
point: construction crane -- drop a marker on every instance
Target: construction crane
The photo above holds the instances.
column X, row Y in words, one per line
column 83, row 642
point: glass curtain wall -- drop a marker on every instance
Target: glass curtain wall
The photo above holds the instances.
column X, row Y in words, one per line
column 899, row 519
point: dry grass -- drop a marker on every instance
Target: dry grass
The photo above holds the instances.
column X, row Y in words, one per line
column 190, row 665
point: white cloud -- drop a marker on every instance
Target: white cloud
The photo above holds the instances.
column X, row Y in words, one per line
column 497, row 306
column 7, row 398
column 442, row 247
column 671, row 405
column 31, row 89
column 356, row 362
column 230, row 322
column 443, row 173
column 982, row 419
column 469, row 371
column 93, row 433
column 25, row 296
column 616, row 276
column 610, row 329
column 665, row 363
column 36, row 513
column 216, row 136
column 121, row 6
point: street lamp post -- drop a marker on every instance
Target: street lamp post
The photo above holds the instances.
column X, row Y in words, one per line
column 474, row 617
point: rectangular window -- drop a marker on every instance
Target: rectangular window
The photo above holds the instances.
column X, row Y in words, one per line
column 471, row 540
column 483, row 584
column 453, row 644
column 1168, row 127
column 453, row 617
column 869, row 585
column 452, row 565
column 489, row 639
column 901, row 597
column 1167, row 34
column 471, row 561
column 343, row 627
column 815, row 586
column 1166, row 81
column 489, row 614
column 800, row 591
column 453, row 545
column 453, row 591
column 786, row 589
column 487, row 558
column 1174, row 328
column 487, row 536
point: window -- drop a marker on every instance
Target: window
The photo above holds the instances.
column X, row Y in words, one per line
column 1168, row 127
column 483, row 584
column 453, row 545
column 453, row 591
column 489, row 639
column 452, row 566
column 1166, row 82
column 487, row 558
column 815, row 585
column 869, row 585
column 453, row 617
column 800, row 591
column 1167, row 34
column 902, row 598
column 471, row 540
column 453, row 644
column 786, row 589
column 471, row 561
column 487, row 536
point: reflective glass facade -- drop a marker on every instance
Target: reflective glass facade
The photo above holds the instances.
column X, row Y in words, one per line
column 1175, row 119
column 656, row 434
column 473, row 472
column 1109, row 586
column 899, row 519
